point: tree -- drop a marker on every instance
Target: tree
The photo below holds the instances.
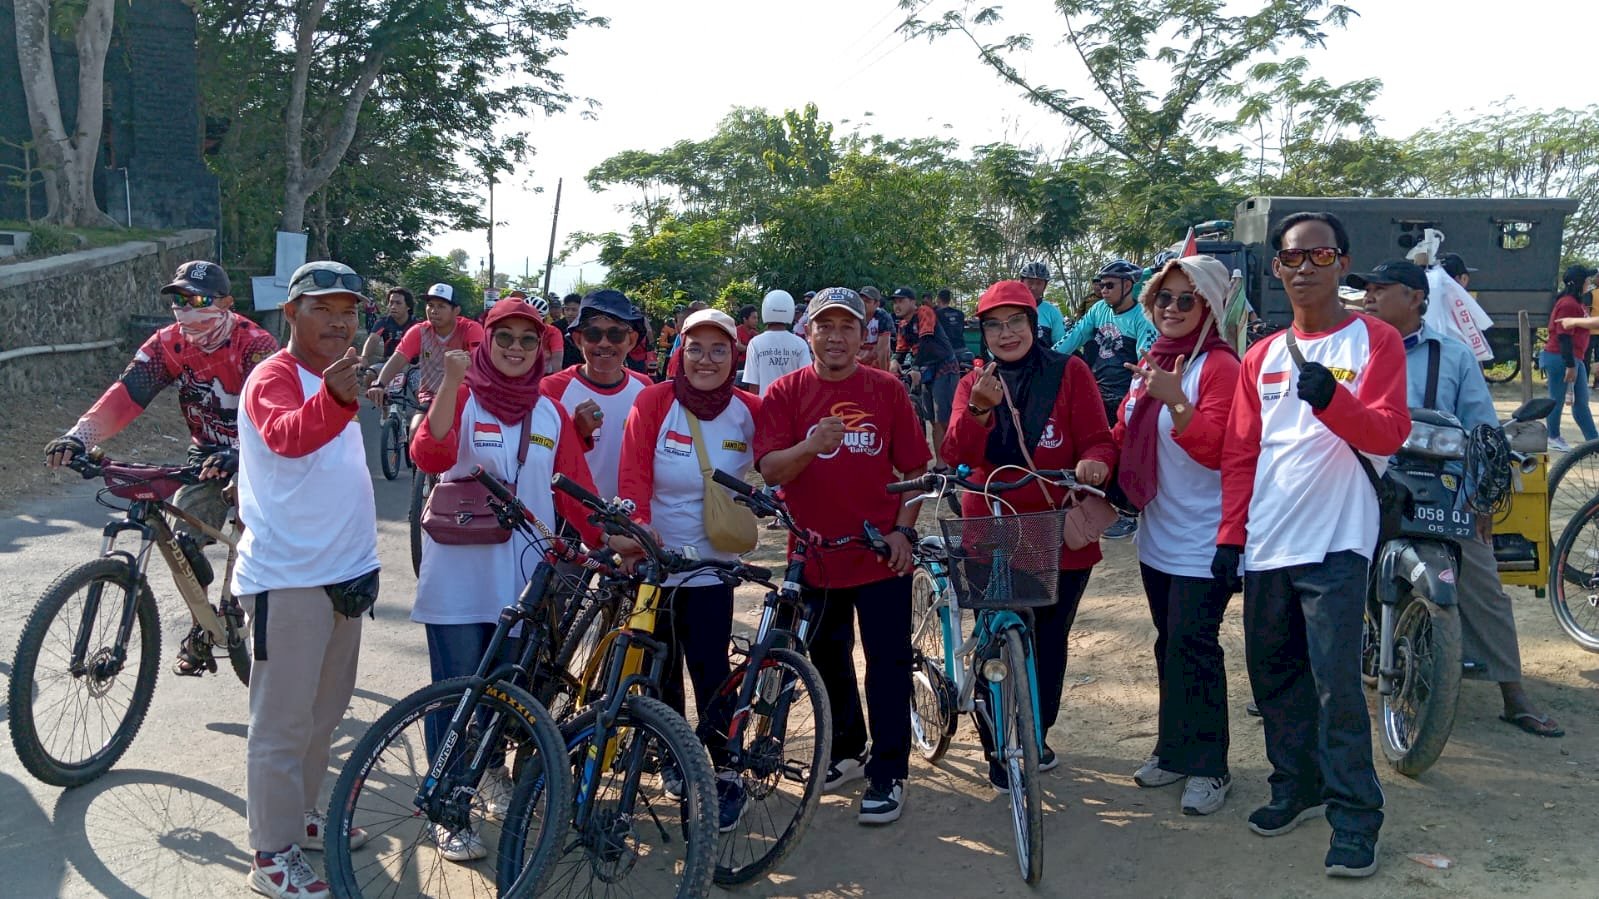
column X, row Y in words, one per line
column 426, row 271
column 67, row 157
column 459, row 260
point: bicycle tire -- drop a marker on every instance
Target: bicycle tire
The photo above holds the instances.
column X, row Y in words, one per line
column 390, row 446
column 1497, row 372
column 1027, row 797
column 24, row 688
column 387, row 739
column 667, row 731
column 1578, row 472
column 239, row 658
column 770, row 762
column 1574, row 585
column 933, row 721
column 420, row 488
column 1427, row 645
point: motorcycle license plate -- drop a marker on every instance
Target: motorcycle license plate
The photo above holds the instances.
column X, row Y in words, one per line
column 1449, row 523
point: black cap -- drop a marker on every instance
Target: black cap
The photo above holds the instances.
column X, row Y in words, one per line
column 1399, row 271
column 200, row 278
column 1577, row 273
column 1454, row 265
column 905, row 292
column 870, row 293
column 609, row 302
column 809, row 294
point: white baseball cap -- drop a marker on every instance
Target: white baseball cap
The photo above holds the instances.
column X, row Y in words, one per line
column 715, row 318
column 442, row 291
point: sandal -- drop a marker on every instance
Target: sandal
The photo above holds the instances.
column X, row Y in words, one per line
column 1537, row 725
column 194, row 654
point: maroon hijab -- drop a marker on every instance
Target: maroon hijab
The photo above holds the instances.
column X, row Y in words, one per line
column 502, row 396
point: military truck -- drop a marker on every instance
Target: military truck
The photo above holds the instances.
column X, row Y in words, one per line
column 1513, row 244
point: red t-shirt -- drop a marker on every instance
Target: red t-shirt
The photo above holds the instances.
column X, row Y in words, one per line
column 423, row 347
column 745, row 335
column 836, row 494
column 1567, row 307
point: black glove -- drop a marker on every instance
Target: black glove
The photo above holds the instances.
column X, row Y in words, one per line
column 224, row 460
column 73, row 446
column 1224, row 566
column 1316, row 385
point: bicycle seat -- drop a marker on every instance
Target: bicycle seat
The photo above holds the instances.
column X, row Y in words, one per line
column 932, row 545
column 129, row 480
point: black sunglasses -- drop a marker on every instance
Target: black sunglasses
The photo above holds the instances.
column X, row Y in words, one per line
column 593, row 334
column 1183, row 301
column 503, row 339
column 325, row 278
column 1320, row 257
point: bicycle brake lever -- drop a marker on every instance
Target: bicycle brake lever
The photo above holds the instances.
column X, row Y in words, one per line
column 931, row 495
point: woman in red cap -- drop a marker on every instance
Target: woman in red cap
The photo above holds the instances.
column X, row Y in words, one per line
column 1056, row 402
column 489, row 412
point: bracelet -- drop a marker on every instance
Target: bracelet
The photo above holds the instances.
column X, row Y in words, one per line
column 909, row 532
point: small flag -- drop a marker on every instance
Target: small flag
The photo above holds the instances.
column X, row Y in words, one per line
column 679, row 443
column 1235, row 319
column 1190, row 245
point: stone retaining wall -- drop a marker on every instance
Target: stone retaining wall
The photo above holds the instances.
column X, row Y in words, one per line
column 83, row 297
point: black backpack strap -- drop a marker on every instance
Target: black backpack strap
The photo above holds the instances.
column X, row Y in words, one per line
column 1434, row 351
column 259, row 619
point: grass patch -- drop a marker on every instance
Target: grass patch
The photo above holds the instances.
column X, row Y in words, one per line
column 51, row 240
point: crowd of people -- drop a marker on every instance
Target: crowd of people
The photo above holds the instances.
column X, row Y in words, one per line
column 1230, row 466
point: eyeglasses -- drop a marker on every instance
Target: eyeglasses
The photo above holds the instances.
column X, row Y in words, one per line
column 503, row 339
column 1320, row 257
column 1016, row 324
column 1183, row 301
column 594, row 333
column 719, row 353
column 325, row 278
column 193, row 301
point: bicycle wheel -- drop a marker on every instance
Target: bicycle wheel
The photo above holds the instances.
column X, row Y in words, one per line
column 636, row 840
column 786, row 734
column 933, row 715
column 421, row 486
column 1020, row 748
column 588, row 618
column 69, row 727
column 1500, row 372
column 392, row 446
column 378, row 787
column 1574, row 578
column 1573, row 481
column 1419, row 715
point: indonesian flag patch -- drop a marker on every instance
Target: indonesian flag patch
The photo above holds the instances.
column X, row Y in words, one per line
column 677, row 443
column 487, row 434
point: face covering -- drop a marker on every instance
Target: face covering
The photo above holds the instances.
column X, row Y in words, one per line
column 207, row 328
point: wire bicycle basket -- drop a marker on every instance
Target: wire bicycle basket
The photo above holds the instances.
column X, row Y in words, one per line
column 1007, row 561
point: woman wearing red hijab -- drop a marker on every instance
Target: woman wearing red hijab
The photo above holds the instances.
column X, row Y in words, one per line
column 488, row 400
column 1170, row 430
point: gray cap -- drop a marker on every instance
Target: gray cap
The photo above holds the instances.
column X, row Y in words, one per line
column 325, row 277
column 841, row 297
column 871, row 293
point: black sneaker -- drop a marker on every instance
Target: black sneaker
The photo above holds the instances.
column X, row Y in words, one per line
column 844, row 770
column 998, row 777
column 1048, row 761
column 1122, row 528
column 1351, row 855
column 731, row 800
column 1282, row 815
column 883, row 802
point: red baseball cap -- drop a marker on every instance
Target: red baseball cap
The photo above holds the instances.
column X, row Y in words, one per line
column 1006, row 293
column 501, row 311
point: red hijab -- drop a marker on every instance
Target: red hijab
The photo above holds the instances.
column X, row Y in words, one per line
column 507, row 398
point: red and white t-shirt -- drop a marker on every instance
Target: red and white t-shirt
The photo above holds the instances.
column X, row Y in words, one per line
column 424, row 347
column 471, row 584
column 661, row 470
column 305, row 494
column 1292, row 492
column 569, row 388
column 837, row 493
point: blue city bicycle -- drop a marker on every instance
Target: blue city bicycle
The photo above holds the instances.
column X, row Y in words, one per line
column 997, row 568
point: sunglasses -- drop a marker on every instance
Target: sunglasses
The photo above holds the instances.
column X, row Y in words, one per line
column 1183, row 301
column 1107, row 284
column 1320, row 257
column 503, row 339
column 325, row 278
column 1016, row 323
column 594, row 333
column 193, row 301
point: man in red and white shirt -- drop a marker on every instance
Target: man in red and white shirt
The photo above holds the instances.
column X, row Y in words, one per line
column 599, row 393
column 427, row 342
column 835, row 434
column 305, row 499
column 1300, row 513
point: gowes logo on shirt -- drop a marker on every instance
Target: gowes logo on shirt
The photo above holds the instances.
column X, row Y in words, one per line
column 677, row 443
column 1273, row 385
column 487, row 434
column 860, row 435
column 1051, row 438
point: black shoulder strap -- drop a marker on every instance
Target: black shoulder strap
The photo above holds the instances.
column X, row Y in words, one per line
column 1430, row 400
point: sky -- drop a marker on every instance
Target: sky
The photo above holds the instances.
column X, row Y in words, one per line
column 669, row 70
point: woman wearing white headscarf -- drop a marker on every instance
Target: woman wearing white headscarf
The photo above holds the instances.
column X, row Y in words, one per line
column 1170, row 430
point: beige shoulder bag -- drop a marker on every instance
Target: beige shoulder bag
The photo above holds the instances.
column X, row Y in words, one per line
column 730, row 527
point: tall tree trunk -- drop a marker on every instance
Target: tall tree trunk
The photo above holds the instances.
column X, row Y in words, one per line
column 67, row 160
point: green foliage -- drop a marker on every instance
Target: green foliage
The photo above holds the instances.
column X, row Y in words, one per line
column 50, row 240
column 425, row 271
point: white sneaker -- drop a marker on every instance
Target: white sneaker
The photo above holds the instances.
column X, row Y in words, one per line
column 1559, row 445
column 316, row 824
column 495, row 791
column 1204, row 795
column 843, row 771
column 883, row 802
column 1151, row 774
column 286, row 875
column 462, row 846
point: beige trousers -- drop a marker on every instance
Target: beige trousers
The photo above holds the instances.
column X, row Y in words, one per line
column 298, row 695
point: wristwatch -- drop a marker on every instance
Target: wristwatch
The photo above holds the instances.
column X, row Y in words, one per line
column 909, row 532
column 1179, row 408
column 972, row 409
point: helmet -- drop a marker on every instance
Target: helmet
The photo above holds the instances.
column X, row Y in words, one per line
column 1120, row 268
column 540, row 305
column 1033, row 270
column 777, row 308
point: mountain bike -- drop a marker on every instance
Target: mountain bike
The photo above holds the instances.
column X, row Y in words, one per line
column 392, row 785
column 86, row 664
column 997, row 568
column 645, row 806
column 399, row 404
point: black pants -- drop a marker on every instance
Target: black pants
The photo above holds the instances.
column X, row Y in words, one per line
column 1052, row 628
column 1189, row 664
column 697, row 630
column 1302, row 629
column 884, row 611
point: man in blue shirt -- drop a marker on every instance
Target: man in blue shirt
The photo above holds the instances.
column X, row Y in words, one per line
column 1396, row 292
column 1051, row 324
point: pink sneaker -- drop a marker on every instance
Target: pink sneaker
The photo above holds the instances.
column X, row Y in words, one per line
column 286, row 875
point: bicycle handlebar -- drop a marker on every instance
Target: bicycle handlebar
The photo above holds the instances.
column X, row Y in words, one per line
column 492, row 485
column 571, row 488
column 737, row 485
column 933, row 480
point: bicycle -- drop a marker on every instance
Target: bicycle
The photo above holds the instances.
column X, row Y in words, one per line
column 422, row 484
column 400, row 403
column 100, row 693
column 997, row 568
column 499, row 710
column 625, row 733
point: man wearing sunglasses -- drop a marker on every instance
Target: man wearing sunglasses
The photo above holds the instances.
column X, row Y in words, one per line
column 599, row 393
column 427, row 342
column 207, row 352
column 1316, row 405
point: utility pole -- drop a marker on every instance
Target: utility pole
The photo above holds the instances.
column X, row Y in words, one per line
column 549, row 261
column 491, row 283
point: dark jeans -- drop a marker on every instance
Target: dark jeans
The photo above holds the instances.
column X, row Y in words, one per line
column 1051, row 629
column 1188, row 662
column 454, row 650
column 697, row 630
column 884, row 611
column 1302, row 628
